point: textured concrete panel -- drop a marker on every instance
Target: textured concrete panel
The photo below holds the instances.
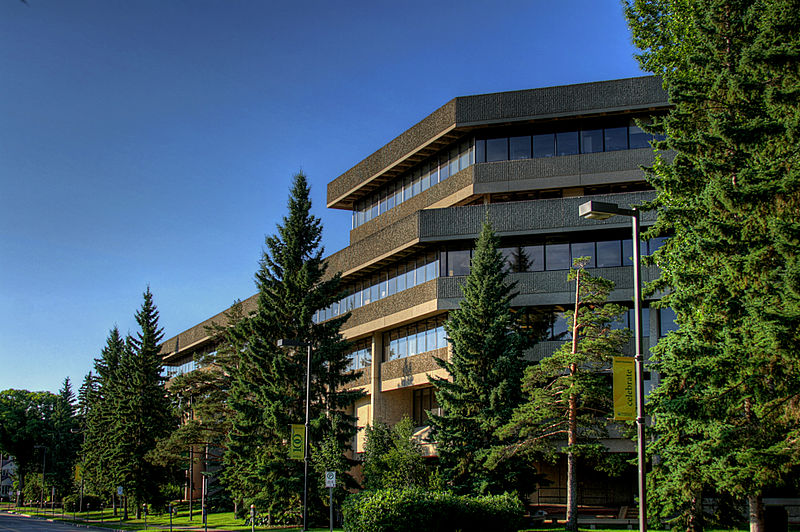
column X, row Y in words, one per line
column 523, row 217
column 408, row 366
column 392, row 304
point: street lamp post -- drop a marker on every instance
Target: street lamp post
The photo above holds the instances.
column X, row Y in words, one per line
column 299, row 343
column 598, row 210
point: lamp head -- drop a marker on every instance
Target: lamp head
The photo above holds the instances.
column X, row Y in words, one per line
column 598, row 210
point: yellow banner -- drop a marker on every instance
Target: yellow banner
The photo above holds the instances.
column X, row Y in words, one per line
column 624, row 389
column 296, row 442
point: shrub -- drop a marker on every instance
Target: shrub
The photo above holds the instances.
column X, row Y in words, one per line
column 396, row 510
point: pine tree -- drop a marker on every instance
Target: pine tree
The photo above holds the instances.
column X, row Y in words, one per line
column 569, row 396
column 486, row 368
column 725, row 413
column 268, row 389
column 392, row 457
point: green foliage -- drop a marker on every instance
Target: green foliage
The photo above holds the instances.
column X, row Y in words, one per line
column 128, row 412
column 726, row 411
column 26, row 422
column 569, row 395
column 392, row 458
column 72, row 502
column 268, row 386
column 486, row 367
column 414, row 509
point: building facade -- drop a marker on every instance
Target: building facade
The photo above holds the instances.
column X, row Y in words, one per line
column 526, row 159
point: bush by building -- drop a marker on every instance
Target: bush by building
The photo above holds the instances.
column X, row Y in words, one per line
column 415, row 509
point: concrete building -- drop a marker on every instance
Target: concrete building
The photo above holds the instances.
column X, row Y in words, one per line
column 527, row 158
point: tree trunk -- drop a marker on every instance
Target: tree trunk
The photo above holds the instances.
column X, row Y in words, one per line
column 572, row 483
column 125, row 509
column 756, row 511
column 695, row 522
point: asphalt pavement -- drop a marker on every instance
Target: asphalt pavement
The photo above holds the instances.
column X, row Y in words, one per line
column 19, row 523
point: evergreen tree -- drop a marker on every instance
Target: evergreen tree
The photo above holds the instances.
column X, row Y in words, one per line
column 725, row 411
column 486, row 368
column 66, row 440
column 143, row 412
column 569, row 397
column 268, row 388
column 101, row 397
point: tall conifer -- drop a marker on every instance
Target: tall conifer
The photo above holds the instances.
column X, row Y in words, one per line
column 725, row 411
column 486, row 368
column 268, row 389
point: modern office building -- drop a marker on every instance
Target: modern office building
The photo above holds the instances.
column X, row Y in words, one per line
column 526, row 159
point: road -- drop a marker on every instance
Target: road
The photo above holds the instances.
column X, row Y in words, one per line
column 17, row 523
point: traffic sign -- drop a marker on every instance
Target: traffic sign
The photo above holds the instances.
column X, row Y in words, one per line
column 330, row 479
column 119, row 490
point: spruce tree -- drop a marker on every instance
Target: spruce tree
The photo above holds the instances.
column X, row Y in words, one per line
column 569, row 396
column 143, row 412
column 486, row 367
column 268, row 388
column 66, row 440
column 101, row 395
column 724, row 412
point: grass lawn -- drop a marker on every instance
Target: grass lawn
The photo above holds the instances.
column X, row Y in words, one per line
column 216, row 521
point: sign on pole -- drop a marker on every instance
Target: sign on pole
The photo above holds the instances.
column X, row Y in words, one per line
column 297, row 442
column 624, row 389
column 330, row 479
column 119, row 490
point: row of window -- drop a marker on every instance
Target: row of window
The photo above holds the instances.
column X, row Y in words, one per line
column 458, row 157
column 450, row 263
column 407, row 274
column 413, row 339
column 361, row 356
column 666, row 323
column 560, row 143
column 173, row 371
column 432, row 172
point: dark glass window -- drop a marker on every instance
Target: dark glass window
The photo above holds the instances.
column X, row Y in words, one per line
column 560, row 327
column 497, row 150
column 616, row 138
column 583, row 249
column 544, row 145
column 567, row 143
column 509, row 259
column 480, row 151
column 645, row 321
column 458, row 262
column 444, row 167
column 557, row 257
column 424, row 400
column 591, row 140
column 609, row 254
column 531, row 258
column 519, row 148
column 638, row 138
column 434, row 170
column 627, row 252
column 654, row 243
column 666, row 321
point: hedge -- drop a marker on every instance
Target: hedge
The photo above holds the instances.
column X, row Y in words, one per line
column 414, row 509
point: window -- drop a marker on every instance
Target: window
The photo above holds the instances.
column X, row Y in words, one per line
column 544, row 145
column 583, row 249
column 458, row 262
column 520, row 148
column 609, row 254
column 497, row 150
column 666, row 321
column 616, row 138
column 423, row 401
column 638, row 138
column 591, row 140
column 567, row 143
column 557, row 257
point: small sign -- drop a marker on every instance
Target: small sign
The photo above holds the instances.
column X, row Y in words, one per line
column 297, row 442
column 119, row 490
column 624, row 384
column 330, row 479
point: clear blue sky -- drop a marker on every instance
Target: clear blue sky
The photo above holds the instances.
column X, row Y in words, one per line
column 153, row 142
